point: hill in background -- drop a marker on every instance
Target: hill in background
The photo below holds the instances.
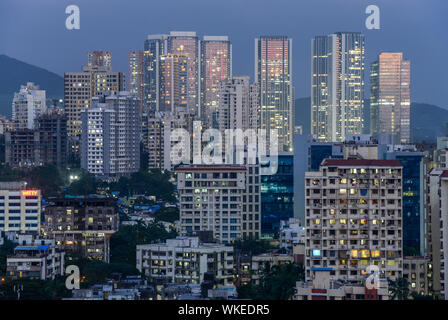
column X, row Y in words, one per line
column 14, row 73
column 427, row 121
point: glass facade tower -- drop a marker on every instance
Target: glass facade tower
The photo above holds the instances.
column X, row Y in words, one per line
column 390, row 96
column 216, row 67
column 337, row 85
column 273, row 74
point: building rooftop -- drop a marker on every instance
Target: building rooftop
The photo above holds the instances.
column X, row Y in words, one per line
column 360, row 163
column 217, row 167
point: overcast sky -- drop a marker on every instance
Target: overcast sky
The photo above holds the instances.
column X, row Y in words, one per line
column 34, row 31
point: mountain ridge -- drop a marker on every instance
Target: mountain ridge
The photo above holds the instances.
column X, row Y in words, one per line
column 427, row 121
column 14, row 73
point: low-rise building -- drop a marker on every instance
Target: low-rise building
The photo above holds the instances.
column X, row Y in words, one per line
column 35, row 258
column 265, row 261
column 20, row 208
column 185, row 260
column 291, row 233
column 82, row 225
column 418, row 271
column 322, row 287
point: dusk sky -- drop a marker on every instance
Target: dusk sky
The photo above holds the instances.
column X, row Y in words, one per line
column 34, row 31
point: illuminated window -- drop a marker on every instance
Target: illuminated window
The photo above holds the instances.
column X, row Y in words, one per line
column 365, row 253
column 375, row 253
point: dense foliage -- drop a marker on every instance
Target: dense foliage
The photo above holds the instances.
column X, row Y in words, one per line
column 277, row 283
column 123, row 243
column 46, row 178
column 34, row 289
column 169, row 214
column 6, row 249
column 399, row 289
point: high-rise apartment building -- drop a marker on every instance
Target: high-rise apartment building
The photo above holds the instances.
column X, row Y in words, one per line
column 136, row 75
column 273, row 75
column 353, row 218
column 44, row 145
column 337, row 85
column 27, row 105
column 160, row 127
column 237, row 104
column 216, row 67
column 52, row 127
column 212, row 199
column 80, row 87
column 188, row 44
column 99, row 58
column 436, row 208
column 110, row 140
column 390, row 103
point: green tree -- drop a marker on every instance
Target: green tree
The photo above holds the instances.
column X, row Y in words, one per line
column 46, row 178
column 399, row 289
column 34, row 289
column 6, row 249
column 123, row 242
column 170, row 214
column 277, row 283
column 86, row 185
column 98, row 271
column 148, row 183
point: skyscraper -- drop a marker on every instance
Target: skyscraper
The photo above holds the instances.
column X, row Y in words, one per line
column 188, row 44
column 155, row 46
column 173, row 96
column 216, row 66
column 136, row 74
column 273, row 74
column 390, row 96
column 337, row 85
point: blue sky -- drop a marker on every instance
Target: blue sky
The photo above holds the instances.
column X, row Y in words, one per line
column 34, row 31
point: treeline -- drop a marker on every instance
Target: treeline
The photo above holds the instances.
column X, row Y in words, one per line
column 53, row 181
